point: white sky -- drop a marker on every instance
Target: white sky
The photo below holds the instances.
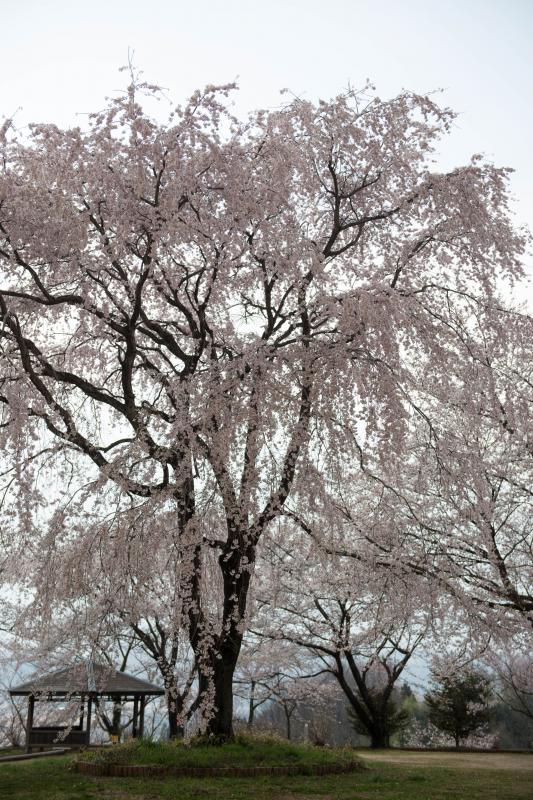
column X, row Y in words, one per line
column 59, row 58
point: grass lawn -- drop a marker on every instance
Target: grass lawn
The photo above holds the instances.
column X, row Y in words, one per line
column 11, row 751
column 245, row 751
column 509, row 778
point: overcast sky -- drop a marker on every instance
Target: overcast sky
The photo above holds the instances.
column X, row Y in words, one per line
column 60, row 58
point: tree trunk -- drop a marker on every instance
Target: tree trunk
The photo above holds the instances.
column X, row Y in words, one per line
column 116, row 720
column 174, row 706
column 216, row 677
column 379, row 739
column 220, row 686
column 288, row 718
column 251, row 706
column 175, row 731
column 174, row 702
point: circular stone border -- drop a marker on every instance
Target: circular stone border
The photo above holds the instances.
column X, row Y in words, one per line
column 156, row 770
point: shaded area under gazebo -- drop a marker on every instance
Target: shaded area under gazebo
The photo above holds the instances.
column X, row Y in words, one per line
column 89, row 682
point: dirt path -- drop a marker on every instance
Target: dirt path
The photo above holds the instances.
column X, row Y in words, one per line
column 515, row 762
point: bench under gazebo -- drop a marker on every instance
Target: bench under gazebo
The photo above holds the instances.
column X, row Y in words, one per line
column 87, row 683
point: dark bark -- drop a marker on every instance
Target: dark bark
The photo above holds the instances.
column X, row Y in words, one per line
column 251, row 706
column 112, row 724
column 288, row 722
column 175, row 731
column 379, row 739
column 116, row 720
column 217, row 659
column 175, row 704
column 220, row 684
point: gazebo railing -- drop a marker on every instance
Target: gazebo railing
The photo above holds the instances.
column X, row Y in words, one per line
column 55, row 736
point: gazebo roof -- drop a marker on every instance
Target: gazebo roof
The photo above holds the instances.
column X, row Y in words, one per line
column 86, row 678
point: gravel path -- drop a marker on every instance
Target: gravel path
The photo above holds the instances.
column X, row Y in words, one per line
column 515, row 762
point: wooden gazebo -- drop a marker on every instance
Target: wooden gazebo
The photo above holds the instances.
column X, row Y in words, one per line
column 89, row 681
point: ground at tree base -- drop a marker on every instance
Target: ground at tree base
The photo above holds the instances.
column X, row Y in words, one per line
column 389, row 776
column 242, row 752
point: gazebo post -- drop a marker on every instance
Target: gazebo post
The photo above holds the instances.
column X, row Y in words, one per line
column 135, row 715
column 29, row 721
column 141, row 716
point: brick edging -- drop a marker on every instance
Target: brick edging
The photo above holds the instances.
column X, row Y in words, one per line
column 153, row 770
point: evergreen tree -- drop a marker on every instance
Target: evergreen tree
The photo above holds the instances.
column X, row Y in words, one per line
column 459, row 704
column 405, row 691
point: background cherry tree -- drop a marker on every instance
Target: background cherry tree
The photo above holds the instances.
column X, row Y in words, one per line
column 358, row 624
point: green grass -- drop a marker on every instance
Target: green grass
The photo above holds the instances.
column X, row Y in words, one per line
column 54, row 779
column 245, row 751
column 11, row 751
